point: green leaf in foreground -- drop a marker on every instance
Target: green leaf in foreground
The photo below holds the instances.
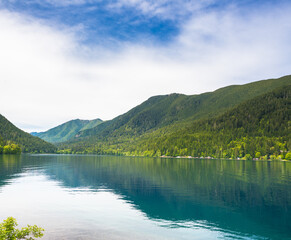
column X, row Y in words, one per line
column 8, row 231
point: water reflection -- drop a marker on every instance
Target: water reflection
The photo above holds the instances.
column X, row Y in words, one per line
column 216, row 198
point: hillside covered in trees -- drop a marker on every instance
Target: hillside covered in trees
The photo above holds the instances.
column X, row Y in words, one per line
column 160, row 111
column 251, row 120
column 13, row 140
column 67, row 130
column 240, row 121
column 256, row 128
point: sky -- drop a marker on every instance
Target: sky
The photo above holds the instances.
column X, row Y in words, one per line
column 67, row 59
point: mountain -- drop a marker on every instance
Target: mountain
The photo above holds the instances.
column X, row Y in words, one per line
column 160, row 111
column 11, row 134
column 167, row 116
column 258, row 127
column 67, row 130
column 255, row 128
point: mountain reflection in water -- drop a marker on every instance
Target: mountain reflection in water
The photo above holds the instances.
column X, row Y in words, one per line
column 115, row 197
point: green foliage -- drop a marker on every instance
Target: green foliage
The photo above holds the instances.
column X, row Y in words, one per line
column 8, row 231
column 260, row 126
column 257, row 155
column 273, row 157
column 248, row 157
column 67, row 130
column 288, row 156
column 12, row 138
column 177, row 110
column 265, row 157
column 10, row 149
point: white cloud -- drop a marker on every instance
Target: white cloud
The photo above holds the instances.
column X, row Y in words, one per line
column 239, row 47
column 46, row 78
column 168, row 9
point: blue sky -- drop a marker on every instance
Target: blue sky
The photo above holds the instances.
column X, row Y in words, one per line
column 108, row 22
column 97, row 59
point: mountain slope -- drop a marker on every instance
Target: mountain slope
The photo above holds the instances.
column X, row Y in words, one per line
column 161, row 111
column 28, row 143
column 260, row 126
column 67, row 130
column 165, row 115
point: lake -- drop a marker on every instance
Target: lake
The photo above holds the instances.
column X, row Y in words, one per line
column 112, row 197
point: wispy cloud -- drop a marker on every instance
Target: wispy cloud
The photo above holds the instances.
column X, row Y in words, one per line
column 64, row 3
column 168, row 9
column 47, row 76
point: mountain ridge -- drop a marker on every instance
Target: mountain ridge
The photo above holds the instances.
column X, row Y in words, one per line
column 9, row 133
column 163, row 115
column 257, row 127
column 162, row 110
column 67, row 130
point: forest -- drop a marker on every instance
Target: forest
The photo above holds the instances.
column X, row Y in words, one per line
column 14, row 140
column 9, row 148
column 259, row 128
column 250, row 121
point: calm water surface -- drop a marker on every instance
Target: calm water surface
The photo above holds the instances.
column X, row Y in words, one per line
column 106, row 197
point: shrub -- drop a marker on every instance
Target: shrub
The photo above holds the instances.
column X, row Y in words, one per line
column 288, row 156
column 8, row 231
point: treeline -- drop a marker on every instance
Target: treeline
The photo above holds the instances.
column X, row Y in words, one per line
column 196, row 146
column 258, row 128
column 10, row 149
column 11, row 134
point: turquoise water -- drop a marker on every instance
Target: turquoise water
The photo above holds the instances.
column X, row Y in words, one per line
column 109, row 197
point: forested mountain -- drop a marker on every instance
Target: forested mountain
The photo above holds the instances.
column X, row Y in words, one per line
column 179, row 125
column 11, row 138
column 251, row 120
column 258, row 127
column 67, row 130
column 160, row 111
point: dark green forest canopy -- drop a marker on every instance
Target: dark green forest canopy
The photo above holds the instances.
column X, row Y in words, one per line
column 160, row 111
column 259, row 126
column 14, row 138
column 251, row 120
